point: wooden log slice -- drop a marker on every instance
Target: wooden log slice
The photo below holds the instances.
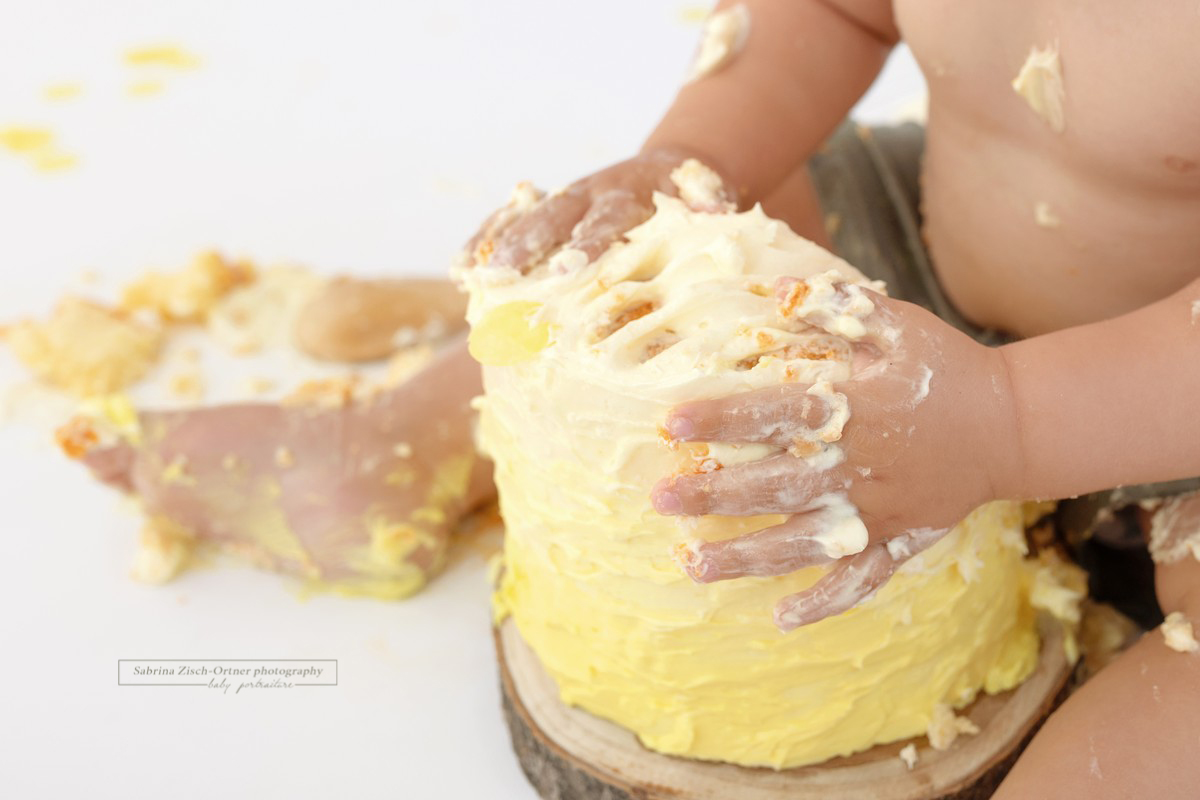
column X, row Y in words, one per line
column 569, row 754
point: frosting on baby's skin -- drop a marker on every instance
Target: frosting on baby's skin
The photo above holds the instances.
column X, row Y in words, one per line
column 1040, row 83
column 1044, row 216
column 725, row 34
column 1178, row 633
column 1175, row 529
column 841, row 532
column 700, row 187
column 683, row 310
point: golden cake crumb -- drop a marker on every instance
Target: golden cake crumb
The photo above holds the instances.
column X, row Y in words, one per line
column 189, row 294
column 188, row 385
column 946, row 726
column 85, row 348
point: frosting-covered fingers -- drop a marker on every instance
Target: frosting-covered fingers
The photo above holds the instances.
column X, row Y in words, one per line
column 778, row 550
column 779, row 484
column 538, row 233
column 613, row 212
column 775, row 415
column 850, row 582
column 853, row 580
column 524, row 198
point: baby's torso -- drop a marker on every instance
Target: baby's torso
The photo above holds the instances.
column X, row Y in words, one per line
column 1033, row 229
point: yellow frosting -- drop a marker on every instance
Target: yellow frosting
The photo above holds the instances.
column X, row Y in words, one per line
column 584, row 371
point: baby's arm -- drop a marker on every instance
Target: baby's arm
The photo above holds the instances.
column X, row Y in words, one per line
column 1107, row 404
column 1130, row 731
column 754, row 120
column 803, row 67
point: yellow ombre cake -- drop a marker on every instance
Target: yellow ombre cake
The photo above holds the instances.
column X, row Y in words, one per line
column 581, row 365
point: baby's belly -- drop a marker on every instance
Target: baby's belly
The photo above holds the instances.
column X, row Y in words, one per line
column 1028, row 245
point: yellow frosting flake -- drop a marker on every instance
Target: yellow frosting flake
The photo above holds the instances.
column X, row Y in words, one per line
column 161, row 55
column 700, row 670
column 509, row 335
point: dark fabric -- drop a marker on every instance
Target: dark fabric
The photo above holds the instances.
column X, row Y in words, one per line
column 868, row 181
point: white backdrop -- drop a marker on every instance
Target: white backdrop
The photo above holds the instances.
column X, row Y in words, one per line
column 355, row 137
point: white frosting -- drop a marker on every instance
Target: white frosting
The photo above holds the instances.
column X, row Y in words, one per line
column 724, row 37
column 1044, row 216
column 1175, row 529
column 1178, row 633
column 1040, row 82
column 829, row 303
column 700, row 187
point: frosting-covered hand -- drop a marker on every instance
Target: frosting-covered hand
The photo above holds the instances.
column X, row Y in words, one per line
column 593, row 212
column 912, row 442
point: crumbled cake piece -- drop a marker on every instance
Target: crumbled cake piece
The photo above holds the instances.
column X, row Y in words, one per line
column 163, row 551
column 909, row 755
column 188, row 295
column 1178, row 633
column 946, row 726
column 85, row 348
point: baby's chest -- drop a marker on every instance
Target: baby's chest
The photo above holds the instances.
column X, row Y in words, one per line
column 1130, row 74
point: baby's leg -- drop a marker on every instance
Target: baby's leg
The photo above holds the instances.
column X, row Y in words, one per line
column 1134, row 729
column 359, row 496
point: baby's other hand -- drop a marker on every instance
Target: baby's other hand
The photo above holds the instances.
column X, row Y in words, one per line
column 930, row 436
column 588, row 215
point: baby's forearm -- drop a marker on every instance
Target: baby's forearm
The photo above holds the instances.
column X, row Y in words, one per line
column 803, row 66
column 1108, row 404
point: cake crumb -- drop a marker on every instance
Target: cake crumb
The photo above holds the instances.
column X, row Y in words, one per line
column 284, row 459
column 945, row 726
column 1178, row 633
column 403, row 450
column 909, row 756
column 176, row 474
column 259, row 386
column 188, row 385
column 85, row 348
column 188, row 295
column 163, row 551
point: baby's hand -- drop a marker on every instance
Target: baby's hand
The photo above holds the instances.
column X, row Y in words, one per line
column 930, row 432
column 589, row 215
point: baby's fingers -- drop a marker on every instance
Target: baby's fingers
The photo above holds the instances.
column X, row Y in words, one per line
column 537, row 234
column 775, row 415
column 778, row 550
column 781, row 484
column 612, row 214
column 851, row 581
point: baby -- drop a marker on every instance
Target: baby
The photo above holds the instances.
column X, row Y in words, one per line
column 1057, row 310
